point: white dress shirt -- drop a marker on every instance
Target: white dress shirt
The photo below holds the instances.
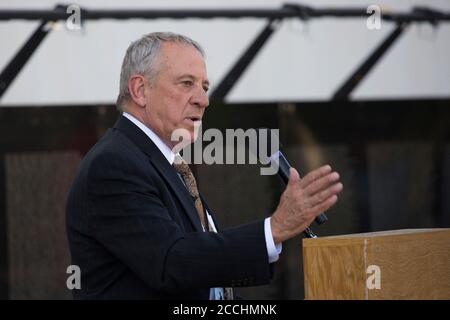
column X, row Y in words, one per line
column 273, row 251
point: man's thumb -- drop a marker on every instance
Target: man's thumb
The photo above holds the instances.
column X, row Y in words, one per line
column 294, row 177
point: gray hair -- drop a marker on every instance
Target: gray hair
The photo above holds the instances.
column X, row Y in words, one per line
column 141, row 56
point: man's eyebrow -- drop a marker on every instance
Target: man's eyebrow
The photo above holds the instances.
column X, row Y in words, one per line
column 190, row 76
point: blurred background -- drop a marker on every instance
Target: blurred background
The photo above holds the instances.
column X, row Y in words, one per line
column 372, row 101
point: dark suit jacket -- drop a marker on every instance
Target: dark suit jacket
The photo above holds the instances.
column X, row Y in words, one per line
column 134, row 231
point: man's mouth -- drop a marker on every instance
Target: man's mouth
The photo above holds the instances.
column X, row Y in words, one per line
column 194, row 118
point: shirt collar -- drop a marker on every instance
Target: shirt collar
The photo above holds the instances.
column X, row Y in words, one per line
column 165, row 150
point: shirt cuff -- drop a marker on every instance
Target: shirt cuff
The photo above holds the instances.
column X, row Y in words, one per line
column 273, row 251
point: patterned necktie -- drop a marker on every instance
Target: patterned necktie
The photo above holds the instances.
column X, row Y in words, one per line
column 186, row 174
column 188, row 177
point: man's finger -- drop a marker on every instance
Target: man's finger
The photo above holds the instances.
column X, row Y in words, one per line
column 321, row 183
column 294, row 177
column 324, row 205
column 314, row 175
column 327, row 193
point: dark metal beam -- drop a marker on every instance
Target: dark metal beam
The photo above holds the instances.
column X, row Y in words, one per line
column 16, row 64
column 230, row 79
column 13, row 68
column 92, row 14
column 355, row 79
column 287, row 11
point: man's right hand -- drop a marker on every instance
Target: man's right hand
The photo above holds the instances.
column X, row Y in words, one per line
column 303, row 200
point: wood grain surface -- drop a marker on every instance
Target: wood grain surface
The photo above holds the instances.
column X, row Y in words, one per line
column 413, row 264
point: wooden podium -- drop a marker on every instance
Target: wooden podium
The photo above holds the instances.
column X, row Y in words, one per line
column 400, row 264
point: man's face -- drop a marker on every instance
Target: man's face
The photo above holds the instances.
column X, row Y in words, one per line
column 176, row 98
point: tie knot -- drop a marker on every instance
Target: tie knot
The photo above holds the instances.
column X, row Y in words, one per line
column 186, row 174
column 178, row 160
column 181, row 166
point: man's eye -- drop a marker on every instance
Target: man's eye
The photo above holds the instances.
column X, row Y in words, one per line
column 187, row 83
column 206, row 89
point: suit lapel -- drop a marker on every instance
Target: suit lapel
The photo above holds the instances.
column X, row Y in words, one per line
column 161, row 164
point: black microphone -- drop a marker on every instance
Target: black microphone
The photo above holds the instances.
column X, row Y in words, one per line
column 283, row 173
column 268, row 142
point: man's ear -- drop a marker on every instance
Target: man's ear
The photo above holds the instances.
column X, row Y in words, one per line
column 136, row 87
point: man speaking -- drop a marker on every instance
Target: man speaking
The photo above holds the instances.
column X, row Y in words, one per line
column 137, row 225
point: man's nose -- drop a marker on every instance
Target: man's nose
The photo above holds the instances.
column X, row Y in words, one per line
column 200, row 98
